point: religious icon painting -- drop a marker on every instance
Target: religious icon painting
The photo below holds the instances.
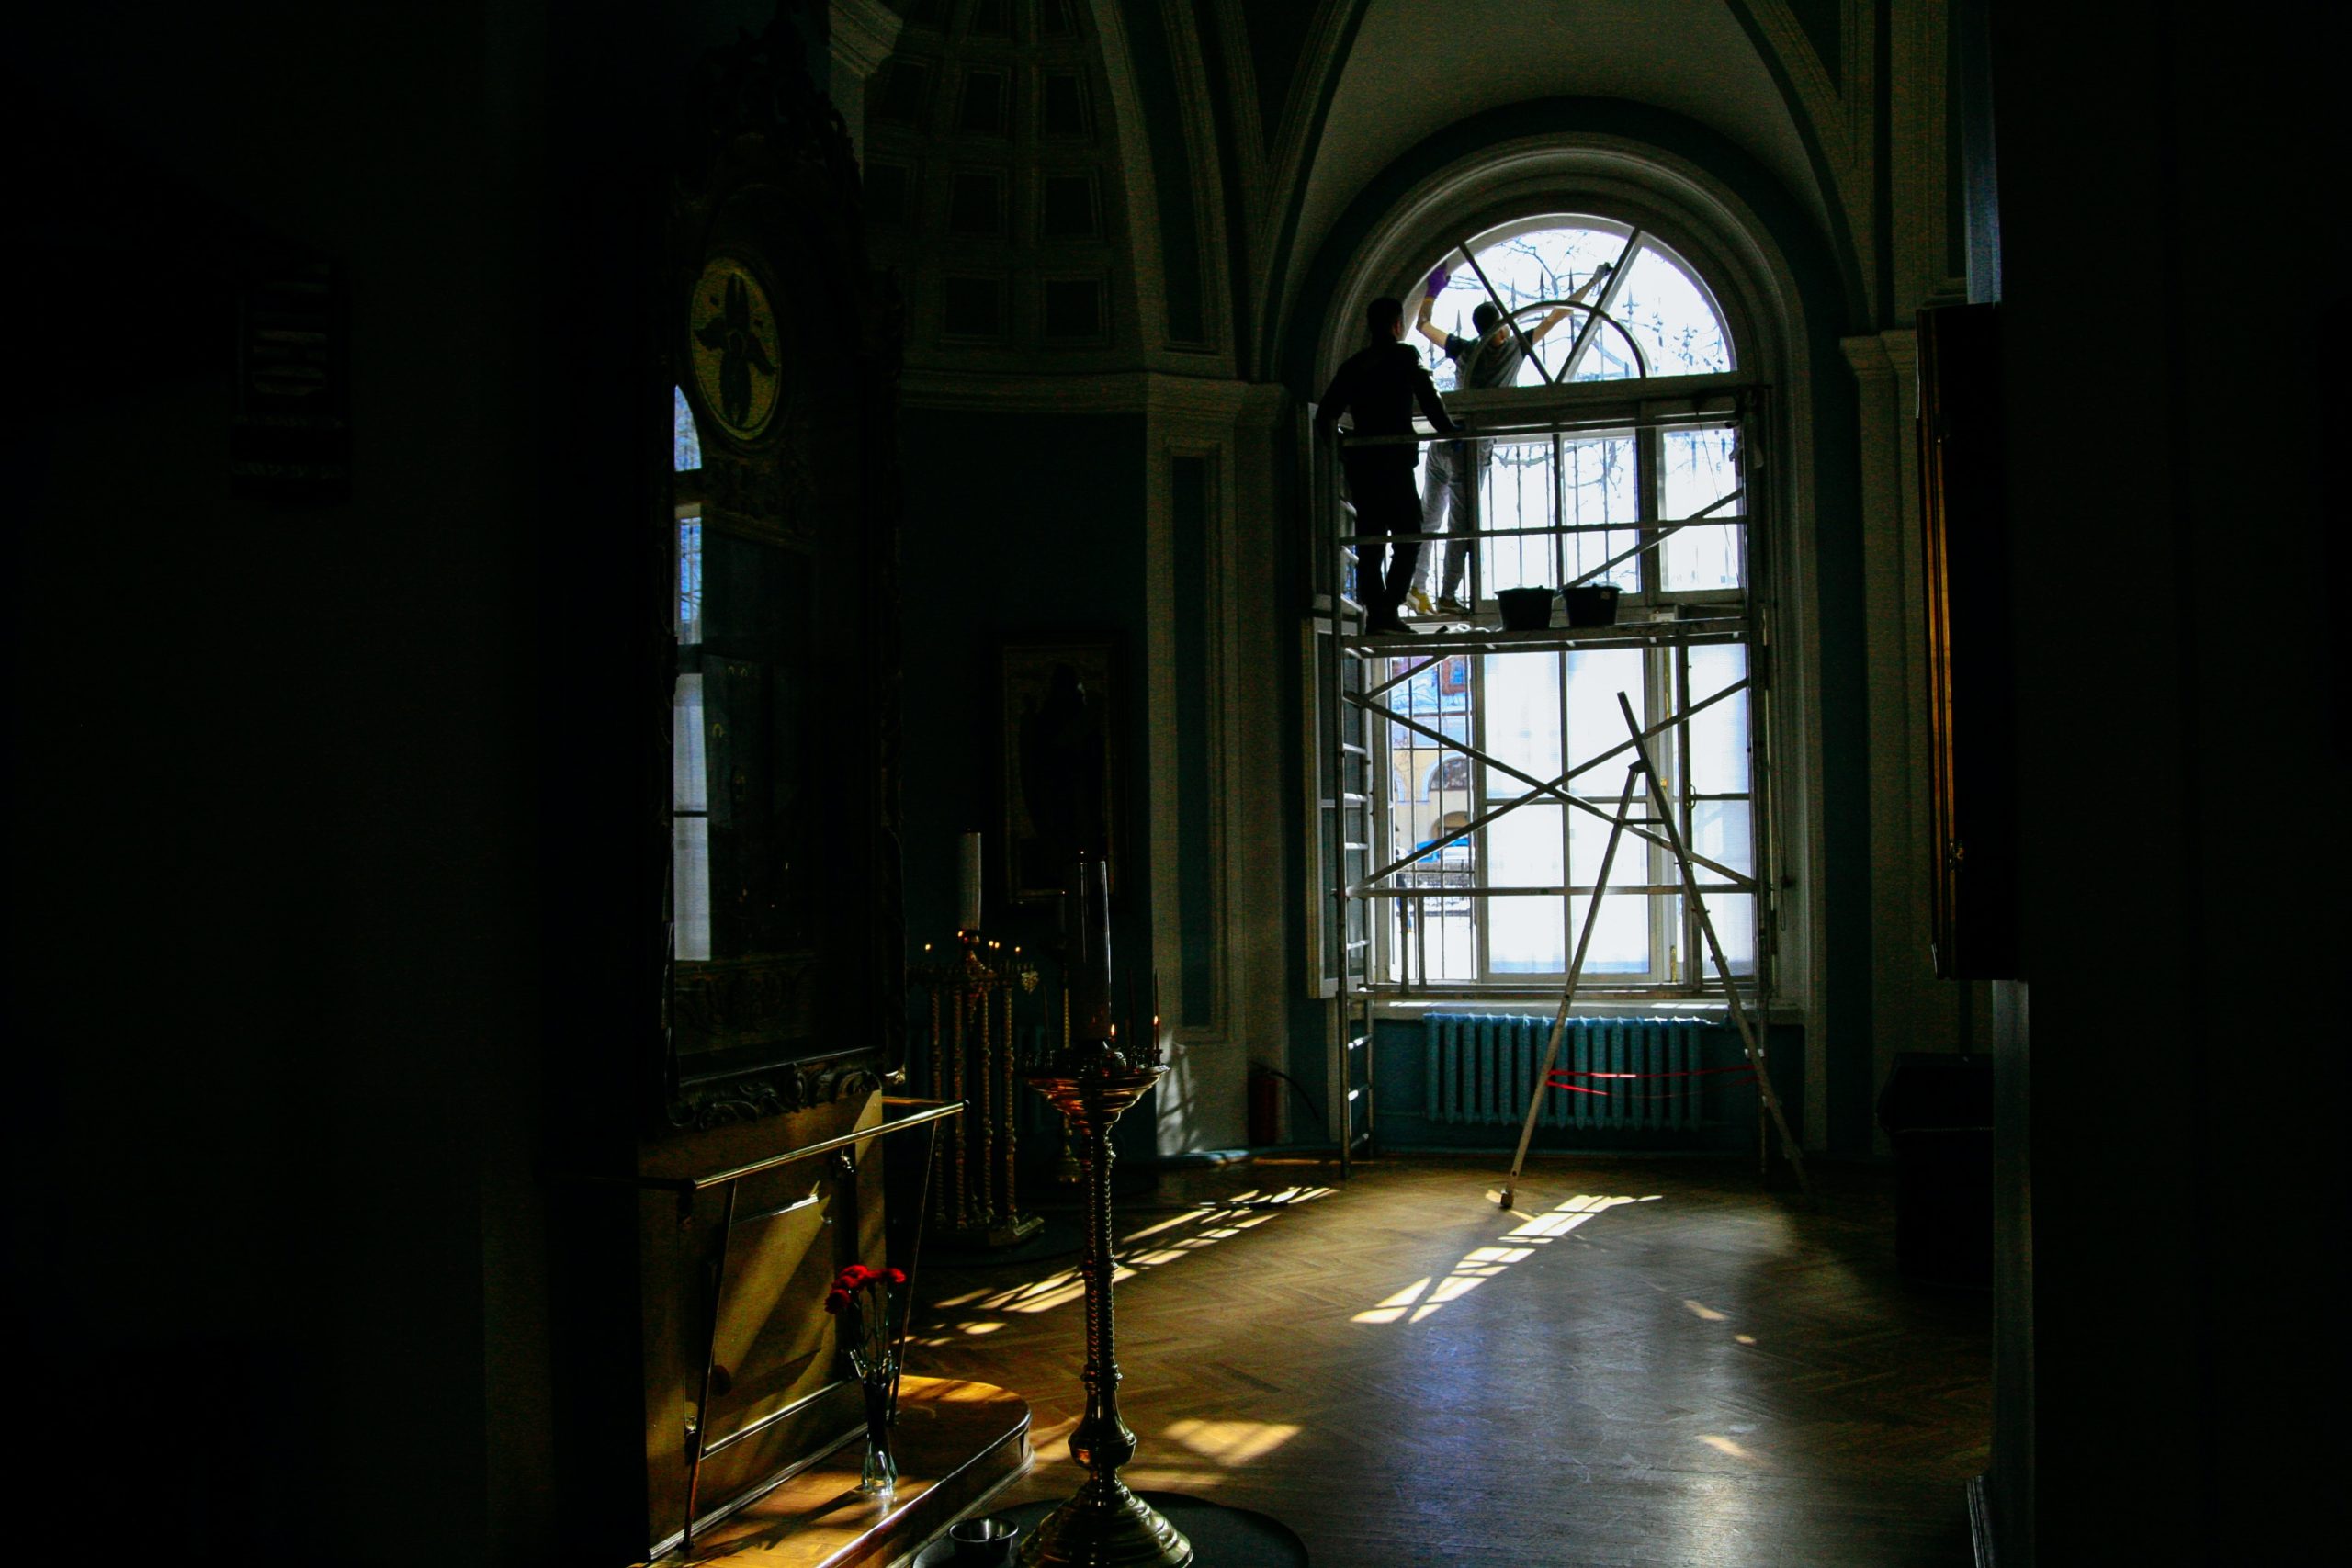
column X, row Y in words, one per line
column 736, row 347
column 1060, row 718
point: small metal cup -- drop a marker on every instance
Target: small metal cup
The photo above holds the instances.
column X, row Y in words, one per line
column 984, row 1543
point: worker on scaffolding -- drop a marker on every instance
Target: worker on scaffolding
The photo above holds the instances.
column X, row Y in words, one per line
column 1492, row 358
column 1379, row 386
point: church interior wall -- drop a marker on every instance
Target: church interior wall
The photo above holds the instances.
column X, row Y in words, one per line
column 324, row 839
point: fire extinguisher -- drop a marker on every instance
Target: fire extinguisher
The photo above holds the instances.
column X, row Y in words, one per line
column 1265, row 1107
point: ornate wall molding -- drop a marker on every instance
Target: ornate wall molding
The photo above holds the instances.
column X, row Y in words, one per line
column 738, row 1097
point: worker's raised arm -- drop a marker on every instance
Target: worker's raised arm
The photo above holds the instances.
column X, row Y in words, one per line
column 1436, row 286
column 1559, row 312
column 1422, row 326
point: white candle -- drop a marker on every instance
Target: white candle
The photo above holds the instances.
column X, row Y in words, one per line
column 1090, row 979
column 968, row 884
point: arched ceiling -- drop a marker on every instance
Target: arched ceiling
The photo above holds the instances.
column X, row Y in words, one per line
column 1416, row 67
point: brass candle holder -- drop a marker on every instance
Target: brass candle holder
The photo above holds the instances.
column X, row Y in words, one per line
column 974, row 1195
column 1102, row 1525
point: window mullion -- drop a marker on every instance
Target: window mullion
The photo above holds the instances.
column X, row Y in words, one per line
column 1679, row 679
column 1568, row 824
column 1481, row 856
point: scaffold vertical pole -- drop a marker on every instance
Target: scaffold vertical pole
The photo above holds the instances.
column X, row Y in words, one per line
column 1714, row 948
column 1568, row 992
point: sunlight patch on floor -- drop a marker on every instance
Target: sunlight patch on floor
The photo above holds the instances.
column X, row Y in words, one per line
column 1571, row 1214
column 1724, row 1445
column 1043, row 1296
column 1201, row 1227
column 1231, row 1442
column 1418, row 1302
column 1396, row 1305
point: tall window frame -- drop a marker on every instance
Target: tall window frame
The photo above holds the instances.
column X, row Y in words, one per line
column 1439, row 855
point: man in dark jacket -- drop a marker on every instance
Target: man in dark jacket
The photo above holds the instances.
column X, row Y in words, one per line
column 1379, row 387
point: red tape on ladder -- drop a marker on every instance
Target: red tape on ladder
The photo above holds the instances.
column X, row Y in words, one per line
column 1556, row 1076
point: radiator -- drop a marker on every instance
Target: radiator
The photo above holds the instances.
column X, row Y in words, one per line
column 1482, row 1066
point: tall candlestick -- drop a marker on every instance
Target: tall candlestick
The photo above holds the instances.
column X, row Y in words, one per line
column 1103, row 1524
column 968, row 884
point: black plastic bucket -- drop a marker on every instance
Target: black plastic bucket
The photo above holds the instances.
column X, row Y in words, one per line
column 1525, row 609
column 1592, row 605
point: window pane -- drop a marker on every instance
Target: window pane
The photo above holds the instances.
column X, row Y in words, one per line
column 1721, row 830
column 1671, row 317
column 1522, row 720
column 1526, row 935
column 689, row 760
column 1599, row 478
column 1429, row 783
column 1621, row 939
column 1515, row 491
column 685, row 441
column 1735, row 918
column 689, row 627
column 1701, row 469
column 690, row 857
column 1524, row 849
column 1595, row 678
column 1718, row 736
column 1525, row 938
column 1435, row 939
column 689, row 834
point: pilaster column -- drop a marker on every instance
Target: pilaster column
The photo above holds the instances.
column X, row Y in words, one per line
column 1910, row 1010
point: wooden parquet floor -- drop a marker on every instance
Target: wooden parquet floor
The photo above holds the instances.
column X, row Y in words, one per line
column 1647, row 1362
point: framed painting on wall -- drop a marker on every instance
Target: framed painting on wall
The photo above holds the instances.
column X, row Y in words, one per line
column 1061, row 711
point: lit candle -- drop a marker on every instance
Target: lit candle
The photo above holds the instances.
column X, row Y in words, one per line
column 968, row 884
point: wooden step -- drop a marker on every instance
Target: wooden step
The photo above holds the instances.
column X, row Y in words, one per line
column 955, row 1441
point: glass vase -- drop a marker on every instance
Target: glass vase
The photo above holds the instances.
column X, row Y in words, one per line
column 879, row 1477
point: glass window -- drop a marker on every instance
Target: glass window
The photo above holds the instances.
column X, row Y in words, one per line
column 689, row 753
column 1649, row 315
column 1483, row 873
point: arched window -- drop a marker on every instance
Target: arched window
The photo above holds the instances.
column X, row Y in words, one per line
column 1653, row 315
column 1611, row 419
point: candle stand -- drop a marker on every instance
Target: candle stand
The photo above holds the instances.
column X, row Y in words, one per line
column 975, row 1199
column 1102, row 1525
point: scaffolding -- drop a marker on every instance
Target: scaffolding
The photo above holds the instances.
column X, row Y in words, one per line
column 1400, row 873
